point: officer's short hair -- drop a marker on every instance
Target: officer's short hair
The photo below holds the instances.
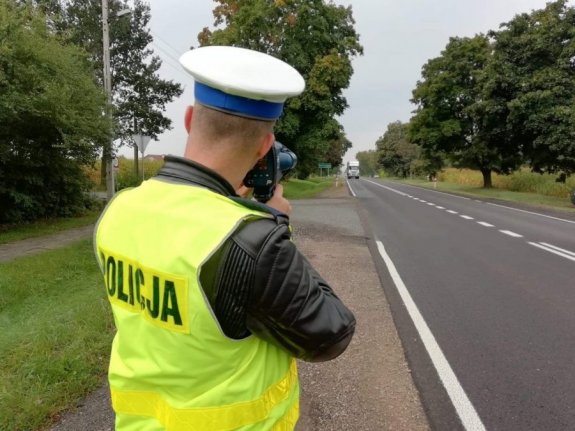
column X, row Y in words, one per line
column 217, row 126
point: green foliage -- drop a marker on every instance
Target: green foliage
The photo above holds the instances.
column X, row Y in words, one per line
column 51, row 116
column 368, row 162
column 398, row 156
column 55, row 334
column 495, row 104
column 319, row 40
column 140, row 96
column 453, row 115
column 532, row 78
column 125, row 175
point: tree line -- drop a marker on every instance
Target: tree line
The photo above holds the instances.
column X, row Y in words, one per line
column 53, row 110
column 494, row 102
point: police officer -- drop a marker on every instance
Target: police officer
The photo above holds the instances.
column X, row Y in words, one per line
column 211, row 299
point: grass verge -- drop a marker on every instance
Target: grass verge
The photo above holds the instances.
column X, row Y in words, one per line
column 534, row 199
column 301, row 189
column 55, row 334
column 45, row 227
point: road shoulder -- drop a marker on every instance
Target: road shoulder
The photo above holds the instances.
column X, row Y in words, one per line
column 369, row 387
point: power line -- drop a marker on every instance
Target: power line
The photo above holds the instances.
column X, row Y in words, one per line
column 166, row 52
column 169, row 63
column 165, row 42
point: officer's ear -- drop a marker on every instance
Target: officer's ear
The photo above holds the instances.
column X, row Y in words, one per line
column 188, row 118
column 266, row 144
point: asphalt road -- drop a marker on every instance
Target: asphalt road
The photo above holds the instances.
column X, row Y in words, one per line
column 490, row 334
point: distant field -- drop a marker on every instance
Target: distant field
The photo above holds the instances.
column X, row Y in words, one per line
column 520, row 181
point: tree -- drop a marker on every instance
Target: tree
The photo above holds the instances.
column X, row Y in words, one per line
column 139, row 94
column 319, row 40
column 395, row 153
column 532, row 77
column 454, row 116
column 51, row 116
column 367, row 162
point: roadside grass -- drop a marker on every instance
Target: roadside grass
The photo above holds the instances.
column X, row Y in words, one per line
column 10, row 233
column 56, row 330
column 301, row 189
column 535, row 199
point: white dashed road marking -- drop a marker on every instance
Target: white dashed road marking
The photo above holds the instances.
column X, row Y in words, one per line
column 513, row 234
column 483, row 223
column 466, row 217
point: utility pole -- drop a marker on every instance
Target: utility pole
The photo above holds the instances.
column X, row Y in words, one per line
column 107, row 151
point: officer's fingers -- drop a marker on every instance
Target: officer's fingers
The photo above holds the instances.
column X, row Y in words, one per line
column 279, row 202
column 279, row 191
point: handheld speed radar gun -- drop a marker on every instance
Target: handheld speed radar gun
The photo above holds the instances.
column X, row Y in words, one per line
column 269, row 170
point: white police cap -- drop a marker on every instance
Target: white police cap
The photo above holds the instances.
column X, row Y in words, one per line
column 241, row 81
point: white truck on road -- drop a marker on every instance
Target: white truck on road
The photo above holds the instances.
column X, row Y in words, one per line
column 352, row 169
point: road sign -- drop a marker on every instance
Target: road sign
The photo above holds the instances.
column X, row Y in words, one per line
column 142, row 142
column 325, row 165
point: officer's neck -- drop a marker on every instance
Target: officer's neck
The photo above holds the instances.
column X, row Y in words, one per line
column 232, row 169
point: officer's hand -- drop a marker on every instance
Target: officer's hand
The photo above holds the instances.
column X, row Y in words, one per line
column 278, row 201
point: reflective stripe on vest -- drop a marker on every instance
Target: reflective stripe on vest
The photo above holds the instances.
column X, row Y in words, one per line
column 219, row 418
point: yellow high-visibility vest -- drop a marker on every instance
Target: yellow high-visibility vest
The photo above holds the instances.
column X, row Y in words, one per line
column 172, row 368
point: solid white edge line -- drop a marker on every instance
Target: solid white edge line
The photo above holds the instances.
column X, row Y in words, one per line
column 513, row 234
column 350, row 189
column 558, row 248
column 469, row 417
column 531, row 212
column 550, row 250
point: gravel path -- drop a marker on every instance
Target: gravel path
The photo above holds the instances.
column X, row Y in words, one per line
column 367, row 388
column 31, row 246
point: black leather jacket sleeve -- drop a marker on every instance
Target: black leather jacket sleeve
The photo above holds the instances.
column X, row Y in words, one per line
column 289, row 303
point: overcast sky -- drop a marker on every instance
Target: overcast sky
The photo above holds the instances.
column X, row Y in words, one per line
column 398, row 37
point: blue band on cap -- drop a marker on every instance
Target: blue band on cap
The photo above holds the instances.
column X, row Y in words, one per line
column 217, row 99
